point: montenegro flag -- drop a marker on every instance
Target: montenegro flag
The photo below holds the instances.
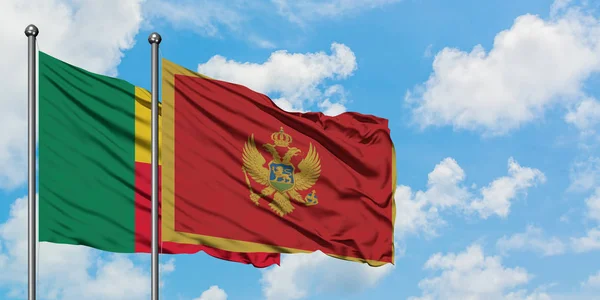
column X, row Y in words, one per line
column 240, row 174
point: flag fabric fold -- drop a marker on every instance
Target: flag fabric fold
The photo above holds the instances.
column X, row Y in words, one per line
column 94, row 165
column 240, row 174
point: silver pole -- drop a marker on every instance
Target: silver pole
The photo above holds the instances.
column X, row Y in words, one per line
column 154, row 40
column 31, row 32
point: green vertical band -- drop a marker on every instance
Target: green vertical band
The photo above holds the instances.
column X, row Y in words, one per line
column 86, row 158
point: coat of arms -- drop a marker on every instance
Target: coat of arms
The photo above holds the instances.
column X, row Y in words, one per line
column 279, row 176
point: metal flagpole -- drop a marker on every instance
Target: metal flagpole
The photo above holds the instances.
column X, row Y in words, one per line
column 154, row 39
column 31, row 32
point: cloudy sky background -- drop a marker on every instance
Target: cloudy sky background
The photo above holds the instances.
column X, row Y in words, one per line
column 493, row 110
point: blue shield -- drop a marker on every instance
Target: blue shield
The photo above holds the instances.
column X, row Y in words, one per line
column 281, row 176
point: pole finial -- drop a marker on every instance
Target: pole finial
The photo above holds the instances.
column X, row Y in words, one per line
column 31, row 30
column 154, row 38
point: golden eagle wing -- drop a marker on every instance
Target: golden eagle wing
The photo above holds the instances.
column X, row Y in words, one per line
column 254, row 161
column 310, row 168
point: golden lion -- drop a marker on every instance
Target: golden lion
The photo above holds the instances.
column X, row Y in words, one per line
column 278, row 171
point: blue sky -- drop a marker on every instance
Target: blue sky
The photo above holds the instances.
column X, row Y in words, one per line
column 493, row 110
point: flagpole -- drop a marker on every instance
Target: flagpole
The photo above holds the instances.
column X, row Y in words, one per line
column 31, row 32
column 154, row 39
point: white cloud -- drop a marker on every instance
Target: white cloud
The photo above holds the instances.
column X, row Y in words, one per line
column 496, row 196
column 167, row 267
column 566, row 218
column 592, row 282
column 286, row 105
column 335, row 97
column 213, row 18
column 115, row 278
column 593, row 205
column 301, row 275
column 498, row 91
column 213, row 293
column 419, row 211
column 532, row 239
column 585, row 116
column 587, row 243
column 559, row 6
column 472, row 275
column 415, row 214
column 261, row 42
column 444, row 184
column 94, row 41
column 585, row 174
column 68, row 272
column 204, row 17
column 523, row 295
column 308, row 10
column 298, row 80
column 332, row 109
column 591, row 241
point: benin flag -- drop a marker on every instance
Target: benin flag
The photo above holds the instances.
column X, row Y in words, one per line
column 94, row 164
column 240, row 174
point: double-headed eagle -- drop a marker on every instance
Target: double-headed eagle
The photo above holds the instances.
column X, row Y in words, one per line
column 279, row 177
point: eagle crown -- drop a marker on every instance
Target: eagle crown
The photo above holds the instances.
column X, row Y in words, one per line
column 281, row 139
column 281, row 192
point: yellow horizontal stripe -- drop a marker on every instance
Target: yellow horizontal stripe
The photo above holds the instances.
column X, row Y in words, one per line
column 143, row 129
